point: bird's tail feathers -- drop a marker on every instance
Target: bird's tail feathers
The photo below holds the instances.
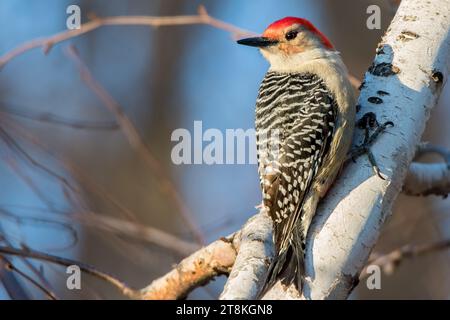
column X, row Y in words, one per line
column 288, row 267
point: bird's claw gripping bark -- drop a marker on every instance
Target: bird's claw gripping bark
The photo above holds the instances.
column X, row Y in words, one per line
column 366, row 123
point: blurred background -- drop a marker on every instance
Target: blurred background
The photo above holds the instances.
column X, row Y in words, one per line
column 71, row 184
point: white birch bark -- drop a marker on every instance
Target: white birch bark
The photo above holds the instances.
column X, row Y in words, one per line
column 256, row 250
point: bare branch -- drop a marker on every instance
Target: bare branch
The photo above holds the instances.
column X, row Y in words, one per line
column 356, row 83
column 390, row 261
column 137, row 231
column 47, row 43
column 122, row 287
column 425, row 179
column 11, row 267
column 12, row 286
column 196, row 270
column 58, row 120
column 256, row 251
column 427, row 148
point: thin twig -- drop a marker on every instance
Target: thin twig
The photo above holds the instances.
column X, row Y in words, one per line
column 58, row 120
column 110, row 224
column 11, row 284
column 122, row 287
column 134, row 230
column 9, row 266
column 356, row 83
column 48, row 42
column 14, row 145
column 390, row 261
column 6, row 214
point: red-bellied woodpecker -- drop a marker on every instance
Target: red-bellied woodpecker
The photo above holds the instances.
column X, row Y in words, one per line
column 305, row 115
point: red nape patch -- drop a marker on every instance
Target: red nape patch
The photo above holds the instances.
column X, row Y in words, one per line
column 288, row 21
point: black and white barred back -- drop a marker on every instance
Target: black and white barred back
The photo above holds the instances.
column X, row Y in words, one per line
column 295, row 117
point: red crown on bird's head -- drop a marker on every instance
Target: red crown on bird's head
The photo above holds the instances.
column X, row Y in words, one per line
column 274, row 29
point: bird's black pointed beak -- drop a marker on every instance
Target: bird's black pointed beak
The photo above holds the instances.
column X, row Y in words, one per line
column 259, row 42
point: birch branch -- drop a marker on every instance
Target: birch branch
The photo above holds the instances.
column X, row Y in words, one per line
column 425, row 179
column 256, row 252
column 402, row 85
column 194, row 271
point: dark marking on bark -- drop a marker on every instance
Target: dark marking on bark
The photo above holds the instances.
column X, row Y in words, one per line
column 362, row 86
column 375, row 100
column 409, row 18
column 380, row 49
column 353, row 280
column 384, row 69
column 358, row 107
column 227, row 240
column 383, row 93
column 437, row 77
column 407, row 36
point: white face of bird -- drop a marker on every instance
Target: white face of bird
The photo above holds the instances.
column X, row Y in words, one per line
column 290, row 41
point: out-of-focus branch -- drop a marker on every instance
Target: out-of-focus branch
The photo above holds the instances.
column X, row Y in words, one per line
column 58, row 120
column 425, row 179
column 137, row 143
column 11, row 267
column 12, row 286
column 106, row 223
column 122, row 287
column 136, row 231
column 390, row 261
column 356, row 83
column 429, row 178
column 194, row 271
column 47, row 43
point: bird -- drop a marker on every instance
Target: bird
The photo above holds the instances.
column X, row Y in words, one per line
column 304, row 120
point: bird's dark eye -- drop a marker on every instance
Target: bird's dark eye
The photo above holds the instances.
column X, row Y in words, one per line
column 291, row 35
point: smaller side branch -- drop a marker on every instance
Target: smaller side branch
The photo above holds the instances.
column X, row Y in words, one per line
column 390, row 261
column 425, row 179
column 256, row 251
column 196, row 270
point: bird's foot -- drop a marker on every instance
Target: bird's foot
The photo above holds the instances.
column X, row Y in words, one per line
column 367, row 123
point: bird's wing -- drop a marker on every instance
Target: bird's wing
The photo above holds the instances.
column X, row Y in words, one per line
column 308, row 110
